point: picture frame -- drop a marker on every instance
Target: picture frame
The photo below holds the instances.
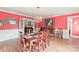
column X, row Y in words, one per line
column 1, row 23
column 49, row 22
column 11, row 20
column 29, row 23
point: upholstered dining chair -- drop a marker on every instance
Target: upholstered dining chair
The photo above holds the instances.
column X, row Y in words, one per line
column 46, row 38
column 39, row 43
column 23, row 44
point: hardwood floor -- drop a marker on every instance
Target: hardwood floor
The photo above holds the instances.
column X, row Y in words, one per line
column 61, row 45
column 56, row 45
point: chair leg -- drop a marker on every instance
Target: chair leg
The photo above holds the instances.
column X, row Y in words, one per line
column 45, row 46
column 48, row 42
column 35, row 48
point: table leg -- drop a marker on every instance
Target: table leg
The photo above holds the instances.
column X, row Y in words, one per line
column 30, row 46
column 38, row 46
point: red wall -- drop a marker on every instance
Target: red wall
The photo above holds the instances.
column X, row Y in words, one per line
column 41, row 24
column 3, row 16
column 60, row 21
column 75, row 27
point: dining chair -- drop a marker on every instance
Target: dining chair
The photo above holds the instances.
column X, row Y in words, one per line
column 48, row 37
column 44, row 38
column 39, row 43
column 23, row 44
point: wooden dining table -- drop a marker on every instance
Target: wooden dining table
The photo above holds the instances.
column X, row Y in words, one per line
column 31, row 39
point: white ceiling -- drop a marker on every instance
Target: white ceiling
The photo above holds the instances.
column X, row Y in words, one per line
column 43, row 11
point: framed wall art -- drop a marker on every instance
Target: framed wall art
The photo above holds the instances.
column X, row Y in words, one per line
column 11, row 20
column 49, row 22
column 1, row 23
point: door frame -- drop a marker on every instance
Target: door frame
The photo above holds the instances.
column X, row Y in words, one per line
column 72, row 36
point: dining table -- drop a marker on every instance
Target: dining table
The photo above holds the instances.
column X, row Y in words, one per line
column 31, row 39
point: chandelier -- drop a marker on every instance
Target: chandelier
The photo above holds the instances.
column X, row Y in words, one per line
column 38, row 18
